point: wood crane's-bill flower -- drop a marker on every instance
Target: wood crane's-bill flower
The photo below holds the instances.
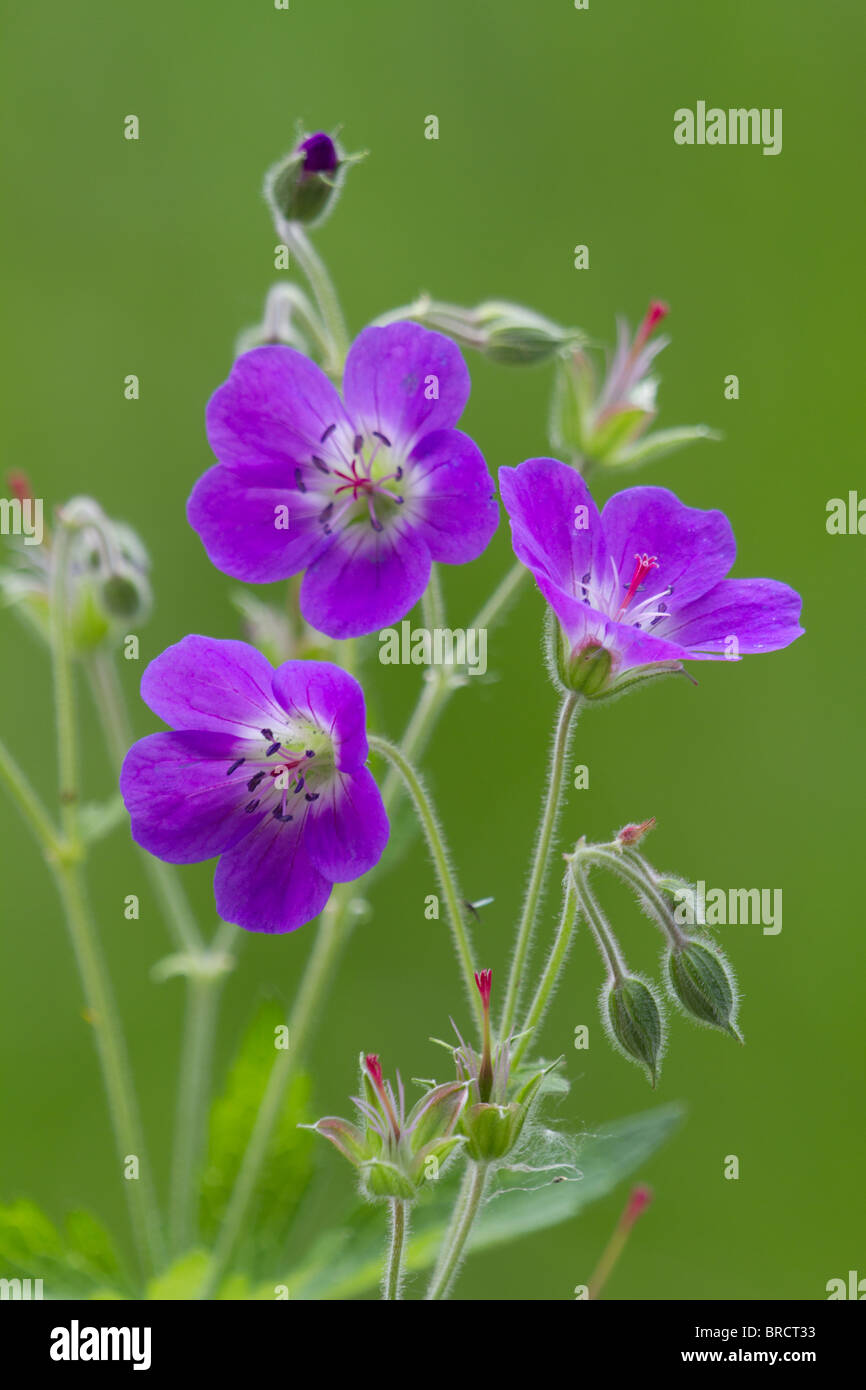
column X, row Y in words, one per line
column 264, row 768
column 361, row 494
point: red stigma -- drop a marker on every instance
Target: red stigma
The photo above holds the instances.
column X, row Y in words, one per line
column 484, row 981
column 645, row 563
column 631, row 834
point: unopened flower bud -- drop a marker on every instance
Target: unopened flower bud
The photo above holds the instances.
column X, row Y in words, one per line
column 517, row 337
column 633, row 834
column 305, row 184
column 702, row 982
column 632, row 1014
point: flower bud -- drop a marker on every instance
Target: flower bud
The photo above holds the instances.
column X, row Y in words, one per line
column 506, row 333
column 702, row 982
column 633, row 1017
column 492, row 1130
column 305, row 184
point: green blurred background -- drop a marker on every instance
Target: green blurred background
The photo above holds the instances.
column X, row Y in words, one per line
column 555, row 128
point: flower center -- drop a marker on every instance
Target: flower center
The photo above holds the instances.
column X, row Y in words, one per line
column 644, row 564
column 361, row 478
column 290, row 765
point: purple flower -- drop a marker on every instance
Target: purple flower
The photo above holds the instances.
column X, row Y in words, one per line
column 641, row 587
column 362, row 493
column 265, row 769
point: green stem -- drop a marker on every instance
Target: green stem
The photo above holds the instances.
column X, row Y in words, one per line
column 325, row 952
column 164, row 878
column 547, row 984
column 502, row 596
column 323, row 292
column 123, row 1106
column 193, row 1095
column 604, row 937
column 543, row 843
column 466, row 1209
column 28, row 802
column 111, row 1045
column 642, row 884
column 439, row 855
column 432, row 602
column 396, row 1250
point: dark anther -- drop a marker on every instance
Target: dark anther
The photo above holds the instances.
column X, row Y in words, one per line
column 234, row 767
column 268, row 734
column 277, row 815
column 398, row 500
column 329, row 430
column 320, row 464
column 273, row 748
column 357, row 444
column 309, row 753
column 300, row 784
column 311, row 796
column 254, row 781
column 375, row 523
column 251, row 805
column 326, row 512
column 399, row 473
column 302, row 487
column 384, row 438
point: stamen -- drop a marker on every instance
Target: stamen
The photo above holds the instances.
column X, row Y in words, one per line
column 278, row 815
column 311, row 796
column 328, row 431
column 320, row 464
column 274, row 748
column 234, row 767
column 309, row 753
column 254, row 781
column 357, row 444
column 251, row 805
column 268, row 734
column 301, row 485
column 384, row 438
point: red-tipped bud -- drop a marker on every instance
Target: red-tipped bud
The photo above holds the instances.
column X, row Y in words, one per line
column 484, row 981
column 18, row 484
column 640, row 1198
column 653, row 316
column 374, row 1069
column 633, row 834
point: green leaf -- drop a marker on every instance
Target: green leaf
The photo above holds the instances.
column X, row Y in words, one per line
column 661, row 443
column 288, row 1164
column 98, row 818
column 71, row 1264
column 349, row 1263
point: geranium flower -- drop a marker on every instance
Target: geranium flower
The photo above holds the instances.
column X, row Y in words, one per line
column 265, row 768
column 362, row 493
column 641, row 587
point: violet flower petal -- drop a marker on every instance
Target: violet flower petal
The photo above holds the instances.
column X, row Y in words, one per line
column 213, row 684
column 451, row 501
column 391, row 376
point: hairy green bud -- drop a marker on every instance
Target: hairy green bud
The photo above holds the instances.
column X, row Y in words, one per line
column 702, row 982
column 633, row 1017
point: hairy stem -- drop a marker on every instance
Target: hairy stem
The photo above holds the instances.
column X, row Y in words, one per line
column 465, row 1211
column 324, row 292
column 543, row 843
column 549, row 979
column 396, row 1249
column 439, row 855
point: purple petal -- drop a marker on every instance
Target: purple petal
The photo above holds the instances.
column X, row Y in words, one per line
column 695, row 549
column 270, row 415
column 238, row 526
column 366, row 581
column 452, row 499
column 268, row 882
column 628, row 645
column 347, row 831
column 332, row 699
column 391, row 371
column 550, row 536
column 762, row 614
column 182, row 804
column 207, row 683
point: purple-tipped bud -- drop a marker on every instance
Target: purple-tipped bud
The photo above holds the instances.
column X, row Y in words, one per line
column 304, row 185
column 320, row 154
